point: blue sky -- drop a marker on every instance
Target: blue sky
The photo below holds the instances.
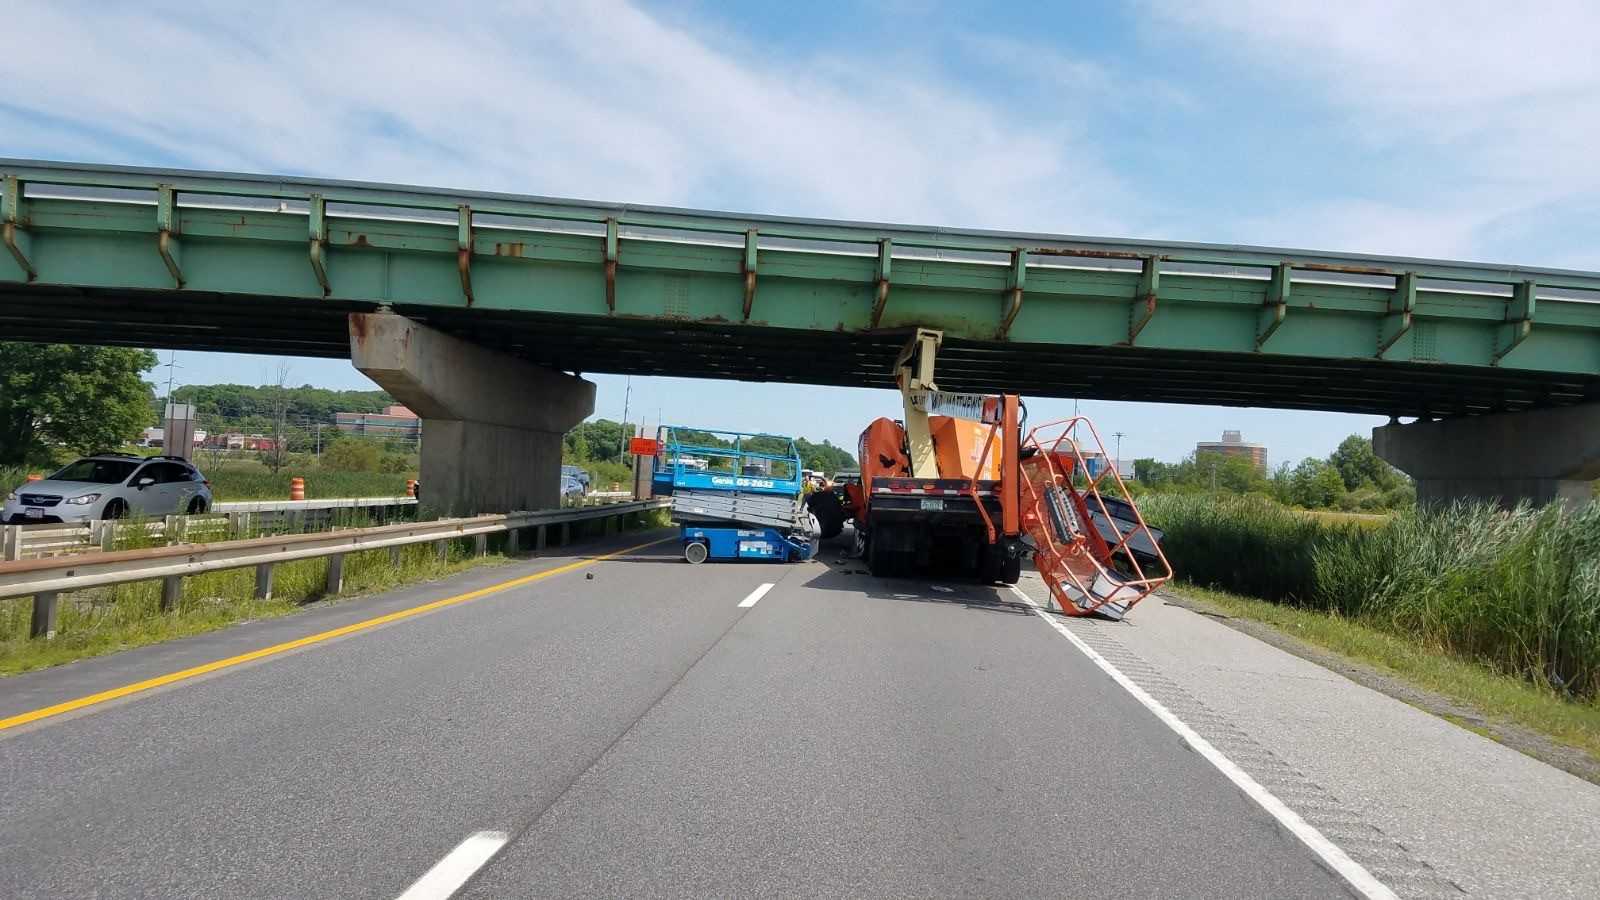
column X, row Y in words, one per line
column 1460, row 129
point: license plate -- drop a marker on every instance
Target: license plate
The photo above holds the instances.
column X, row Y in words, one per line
column 34, row 512
column 932, row 504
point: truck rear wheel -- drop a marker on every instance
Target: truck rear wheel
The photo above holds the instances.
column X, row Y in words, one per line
column 829, row 511
column 696, row 552
column 1011, row 570
column 883, row 561
column 995, row 566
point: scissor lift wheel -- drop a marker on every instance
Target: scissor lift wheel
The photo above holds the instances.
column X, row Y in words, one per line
column 695, row 552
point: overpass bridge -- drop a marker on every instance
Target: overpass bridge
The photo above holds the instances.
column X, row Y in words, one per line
column 472, row 306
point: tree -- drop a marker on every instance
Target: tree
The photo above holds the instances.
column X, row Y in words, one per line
column 280, row 420
column 82, row 397
column 1152, row 471
column 1358, row 465
column 1315, row 483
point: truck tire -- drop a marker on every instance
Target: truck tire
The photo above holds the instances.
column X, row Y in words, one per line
column 825, row 505
column 1011, row 570
column 880, row 560
column 695, row 552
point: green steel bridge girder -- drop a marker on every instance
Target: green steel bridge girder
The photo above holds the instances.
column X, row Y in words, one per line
column 76, row 236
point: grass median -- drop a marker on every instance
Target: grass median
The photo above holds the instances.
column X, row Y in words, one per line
column 98, row 621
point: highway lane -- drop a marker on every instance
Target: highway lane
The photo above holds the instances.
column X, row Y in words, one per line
column 643, row 733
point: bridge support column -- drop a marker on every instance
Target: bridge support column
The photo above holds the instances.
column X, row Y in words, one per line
column 1542, row 456
column 491, row 424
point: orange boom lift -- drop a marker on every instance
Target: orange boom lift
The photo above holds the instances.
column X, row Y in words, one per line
column 957, row 482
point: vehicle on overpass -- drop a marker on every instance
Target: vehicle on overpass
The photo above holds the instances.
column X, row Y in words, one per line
column 959, row 483
column 110, row 486
column 735, row 495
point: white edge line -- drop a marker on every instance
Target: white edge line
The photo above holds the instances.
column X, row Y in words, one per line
column 449, row 874
column 755, row 595
column 1331, row 854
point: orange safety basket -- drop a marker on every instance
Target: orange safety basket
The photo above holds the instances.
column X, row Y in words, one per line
column 1090, row 543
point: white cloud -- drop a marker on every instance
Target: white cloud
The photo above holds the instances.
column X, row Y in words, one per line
column 572, row 99
column 1495, row 106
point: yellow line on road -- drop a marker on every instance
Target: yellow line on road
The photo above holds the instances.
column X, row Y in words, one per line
column 218, row 665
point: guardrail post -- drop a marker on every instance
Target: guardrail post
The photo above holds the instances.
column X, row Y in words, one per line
column 10, row 543
column 513, row 541
column 335, row 573
column 169, row 530
column 171, row 592
column 394, row 556
column 441, row 549
column 610, row 526
column 538, row 539
column 43, row 624
column 480, row 545
column 566, row 533
column 107, row 539
column 264, row 581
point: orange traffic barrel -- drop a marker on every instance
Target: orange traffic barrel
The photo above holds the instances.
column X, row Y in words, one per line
column 297, row 489
column 411, row 487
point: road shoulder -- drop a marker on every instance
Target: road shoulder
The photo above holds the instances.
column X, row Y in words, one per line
column 1516, row 736
column 1431, row 808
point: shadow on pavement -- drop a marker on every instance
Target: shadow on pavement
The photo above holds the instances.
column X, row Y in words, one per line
column 844, row 573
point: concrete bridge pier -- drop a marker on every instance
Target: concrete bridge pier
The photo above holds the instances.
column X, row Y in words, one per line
column 1542, row 456
column 492, row 424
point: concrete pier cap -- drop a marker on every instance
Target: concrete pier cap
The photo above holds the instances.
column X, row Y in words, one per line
column 492, row 425
column 1541, row 456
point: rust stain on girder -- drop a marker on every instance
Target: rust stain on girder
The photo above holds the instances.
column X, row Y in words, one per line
column 360, row 240
column 509, row 248
column 1347, row 270
column 1092, row 254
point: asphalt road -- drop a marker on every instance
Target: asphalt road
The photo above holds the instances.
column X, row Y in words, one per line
column 639, row 733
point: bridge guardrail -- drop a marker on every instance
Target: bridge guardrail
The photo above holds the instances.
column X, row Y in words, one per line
column 44, row 579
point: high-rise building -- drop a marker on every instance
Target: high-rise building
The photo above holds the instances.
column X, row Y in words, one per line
column 1233, row 444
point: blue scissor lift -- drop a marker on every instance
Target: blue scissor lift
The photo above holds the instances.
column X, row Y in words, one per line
column 735, row 495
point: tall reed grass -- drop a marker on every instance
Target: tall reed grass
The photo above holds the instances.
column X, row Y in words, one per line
column 1516, row 590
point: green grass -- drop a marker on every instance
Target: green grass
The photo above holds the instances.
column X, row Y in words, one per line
column 1334, row 517
column 93, row 623
column 1425, row 664
column 1518, row 591
column 250, row 480
column 96, row 622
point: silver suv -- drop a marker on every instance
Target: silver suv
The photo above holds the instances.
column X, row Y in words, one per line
column 110, row 486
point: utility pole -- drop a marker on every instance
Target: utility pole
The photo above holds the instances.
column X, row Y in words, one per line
column 622, row 449
column 172, row 363
column 1119, row 452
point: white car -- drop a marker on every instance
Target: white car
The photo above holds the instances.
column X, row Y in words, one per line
column 110, row 486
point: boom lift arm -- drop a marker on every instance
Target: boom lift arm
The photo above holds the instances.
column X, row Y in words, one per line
column 1057, row 496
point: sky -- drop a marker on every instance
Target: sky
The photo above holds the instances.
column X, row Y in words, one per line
column 1458, row 129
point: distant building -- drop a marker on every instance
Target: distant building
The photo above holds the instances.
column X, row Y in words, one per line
column 236, row 441
column 394, row 422
column 156, row 437
column 1233, row 444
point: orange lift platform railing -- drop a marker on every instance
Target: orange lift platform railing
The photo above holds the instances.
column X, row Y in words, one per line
column 1090, row 543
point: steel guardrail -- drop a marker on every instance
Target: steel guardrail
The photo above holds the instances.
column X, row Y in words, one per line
column 44, row 578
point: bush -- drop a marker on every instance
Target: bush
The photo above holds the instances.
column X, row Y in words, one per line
column 351, row 456
column 1517, row 590
column 395, row 464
